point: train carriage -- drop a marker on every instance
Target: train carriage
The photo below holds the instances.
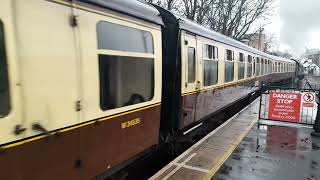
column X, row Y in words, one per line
column 85, row 86
column 88, row 86
column 205, row 71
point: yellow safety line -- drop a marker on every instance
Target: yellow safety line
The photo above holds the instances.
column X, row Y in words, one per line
column 75, row 127
column 232, row 147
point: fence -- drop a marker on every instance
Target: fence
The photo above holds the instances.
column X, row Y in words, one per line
column 288, row 105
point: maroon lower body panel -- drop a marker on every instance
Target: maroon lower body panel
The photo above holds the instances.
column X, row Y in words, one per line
column 199, row 105
column 84, row 152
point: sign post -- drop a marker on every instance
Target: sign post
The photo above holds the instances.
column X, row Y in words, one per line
column 284, row 106
column 316, row 126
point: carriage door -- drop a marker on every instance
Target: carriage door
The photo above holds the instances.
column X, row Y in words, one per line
column 189, row 79
column 190, row 63
column 11, row 127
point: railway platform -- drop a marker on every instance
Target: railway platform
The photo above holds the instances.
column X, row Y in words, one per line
column 242, row 149
column 203, row 159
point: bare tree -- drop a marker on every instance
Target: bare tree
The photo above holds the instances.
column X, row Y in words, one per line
column 150, row 1
column 190, row 7
column 272, row 43
column 196, row 10
column 235, row 17
column 167, row 4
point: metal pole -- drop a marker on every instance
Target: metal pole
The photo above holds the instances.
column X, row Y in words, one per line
column 259, row 43
column 316, row 126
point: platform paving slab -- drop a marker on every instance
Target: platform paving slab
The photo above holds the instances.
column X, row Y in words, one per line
column 205, row 157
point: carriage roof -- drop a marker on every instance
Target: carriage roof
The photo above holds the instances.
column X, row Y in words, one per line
column 195, row 28
column 134, row 8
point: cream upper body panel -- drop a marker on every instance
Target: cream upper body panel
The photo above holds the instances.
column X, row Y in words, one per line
column 54, row 69
column 221, row 48
column 49, row 63
column 90, row 65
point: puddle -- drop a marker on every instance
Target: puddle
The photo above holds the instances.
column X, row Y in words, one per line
column 248, row 139
column 314, row 165
column 315, row 146
column 236, row 157
column 225, row 169
column 238, row 150
column 303, row 148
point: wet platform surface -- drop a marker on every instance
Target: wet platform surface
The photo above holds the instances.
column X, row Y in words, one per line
column 204, row 158
column 274, row 152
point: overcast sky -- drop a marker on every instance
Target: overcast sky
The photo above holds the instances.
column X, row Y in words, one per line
column 297, row 25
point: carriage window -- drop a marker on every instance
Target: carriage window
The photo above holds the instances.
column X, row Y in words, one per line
column 4, row 81
column 266, row 66
column 285, row 67
column 289, row 67
column 241, row 57
column 249, row 66
column 258, row 66
column 229, row 66
column 229, row 55
column 273, row 67
column 125, row 81
column 280, row 65
column 210, row 65
column 210, row 52
column 191, row 65
column 262, row 66
column 270, row 66
column 241, row 66
column 122, row 38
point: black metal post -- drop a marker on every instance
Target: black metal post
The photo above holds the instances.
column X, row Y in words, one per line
column 316, row 126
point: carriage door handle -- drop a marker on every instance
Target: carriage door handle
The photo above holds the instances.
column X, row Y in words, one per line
column 198, row 85
column 39, row 127
column 18, row 129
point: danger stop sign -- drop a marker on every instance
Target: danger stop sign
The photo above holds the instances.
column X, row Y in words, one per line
column 284, row 106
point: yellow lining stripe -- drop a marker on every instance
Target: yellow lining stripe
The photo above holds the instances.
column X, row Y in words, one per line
column 109, row 117
column 76, row 127
column 219, row 86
